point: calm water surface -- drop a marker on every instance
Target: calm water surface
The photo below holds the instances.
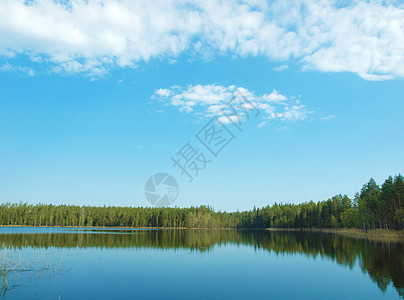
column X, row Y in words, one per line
column 62, row 263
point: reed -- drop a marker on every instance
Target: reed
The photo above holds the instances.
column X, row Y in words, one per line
column 12, row 267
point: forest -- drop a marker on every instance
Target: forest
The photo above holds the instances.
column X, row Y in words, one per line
column 373, row 207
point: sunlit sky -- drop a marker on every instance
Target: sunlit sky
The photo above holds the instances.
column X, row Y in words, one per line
column 97, row 96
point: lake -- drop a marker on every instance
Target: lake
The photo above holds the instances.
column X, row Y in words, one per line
column 107, row 263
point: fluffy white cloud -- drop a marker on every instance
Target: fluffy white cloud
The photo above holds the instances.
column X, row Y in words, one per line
column 92, row 36
column 163, row 92
column 232, row 104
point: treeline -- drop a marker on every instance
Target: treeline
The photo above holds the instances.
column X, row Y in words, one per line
column 112, row 216
column 373, row 207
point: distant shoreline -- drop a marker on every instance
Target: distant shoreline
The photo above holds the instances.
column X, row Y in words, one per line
column 124, row 227
column 377, row 234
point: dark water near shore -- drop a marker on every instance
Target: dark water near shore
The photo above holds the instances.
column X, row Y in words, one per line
column 71, row 263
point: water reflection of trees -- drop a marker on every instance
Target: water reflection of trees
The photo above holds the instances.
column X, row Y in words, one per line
column 383, row 261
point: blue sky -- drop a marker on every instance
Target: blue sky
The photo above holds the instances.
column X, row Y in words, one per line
column 89, row 110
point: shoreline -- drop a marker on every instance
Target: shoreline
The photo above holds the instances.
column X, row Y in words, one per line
column 125, row 227
column 377, row 234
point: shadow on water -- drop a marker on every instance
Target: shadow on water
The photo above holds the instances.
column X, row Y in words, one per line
column 383, row 261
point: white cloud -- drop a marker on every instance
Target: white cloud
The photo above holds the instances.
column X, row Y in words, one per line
column 374, row 77
column 93, row 36
column 274, row 97
column 294, row 113
column 231, row 119
column 163, row 92
column 328, row 118
column 6, row 67
column 232, row 104
column 26, row 71
column 281, row 68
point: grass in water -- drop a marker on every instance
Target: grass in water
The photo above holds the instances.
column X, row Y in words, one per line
column 11, row 268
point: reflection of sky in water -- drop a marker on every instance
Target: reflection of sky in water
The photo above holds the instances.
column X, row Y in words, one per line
column 227, row 270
